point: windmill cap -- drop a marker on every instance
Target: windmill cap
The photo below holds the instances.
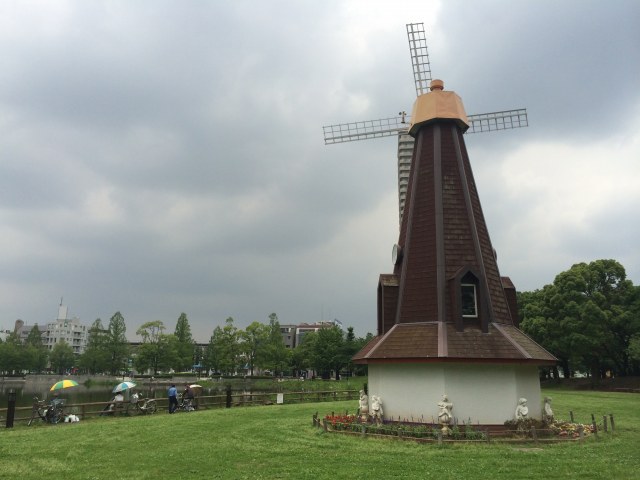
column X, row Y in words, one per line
column 436, row 84
column 435, row 106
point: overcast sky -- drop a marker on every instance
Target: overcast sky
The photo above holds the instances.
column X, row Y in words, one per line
column 159, row 157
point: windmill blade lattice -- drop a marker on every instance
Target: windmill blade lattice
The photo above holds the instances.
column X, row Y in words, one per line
column 487, row 122
column 399, row 126
column 349, row 132
column 419, row 57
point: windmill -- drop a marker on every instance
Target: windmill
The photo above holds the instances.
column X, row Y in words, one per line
column 399, row 125
column 447, row 322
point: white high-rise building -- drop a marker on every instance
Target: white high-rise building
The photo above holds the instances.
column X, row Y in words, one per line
column 68, row 329
column 405, row 151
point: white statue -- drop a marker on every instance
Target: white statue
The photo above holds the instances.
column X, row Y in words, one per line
column 522, row 410
column 376, row 409
column 444, row 414
column 444, row 411
column 364, row 404
column 547, row 413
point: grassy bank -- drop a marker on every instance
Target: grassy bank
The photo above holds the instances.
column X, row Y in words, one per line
column 279, row 442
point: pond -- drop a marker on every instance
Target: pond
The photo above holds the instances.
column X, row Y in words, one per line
column 96, row 391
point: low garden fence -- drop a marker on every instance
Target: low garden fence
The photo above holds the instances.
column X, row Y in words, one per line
column 523, row 432
column 227, row 400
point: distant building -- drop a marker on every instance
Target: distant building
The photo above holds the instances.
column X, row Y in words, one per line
column 305, row 328
column 74, row 333
column 288, row 333
column 4, row 334
column 25, row 330
column 292, row 334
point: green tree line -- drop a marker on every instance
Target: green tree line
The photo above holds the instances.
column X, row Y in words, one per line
column 259, row 347
column 589, row 318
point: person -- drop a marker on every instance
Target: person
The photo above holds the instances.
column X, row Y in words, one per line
column 187, row 396
column 172, row 393
column 54, row 404
column 118, row 397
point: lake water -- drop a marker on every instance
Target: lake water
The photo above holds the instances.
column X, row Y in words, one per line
column 96, row 392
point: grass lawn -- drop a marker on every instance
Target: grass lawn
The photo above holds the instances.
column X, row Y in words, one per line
column 280, row 442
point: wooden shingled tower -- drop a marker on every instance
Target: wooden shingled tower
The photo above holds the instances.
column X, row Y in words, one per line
column 445, row 298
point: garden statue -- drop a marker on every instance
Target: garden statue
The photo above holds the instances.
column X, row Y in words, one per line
column 364, row 405
column 444, row 414
column 547, row 413
column 522, row 410
column 376, row 409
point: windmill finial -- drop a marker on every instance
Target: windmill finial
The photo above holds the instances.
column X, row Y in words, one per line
column 436, row 85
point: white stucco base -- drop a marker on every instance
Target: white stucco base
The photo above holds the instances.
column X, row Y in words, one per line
column 484, row 394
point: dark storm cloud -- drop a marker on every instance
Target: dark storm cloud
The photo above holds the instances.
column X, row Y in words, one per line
column 160, row 157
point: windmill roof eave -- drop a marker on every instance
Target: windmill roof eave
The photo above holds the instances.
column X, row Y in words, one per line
column 419, row 342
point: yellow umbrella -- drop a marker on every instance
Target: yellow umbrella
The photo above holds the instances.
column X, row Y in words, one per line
column 63, row 384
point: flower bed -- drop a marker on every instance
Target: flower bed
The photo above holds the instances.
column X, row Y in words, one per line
column 354, row 423
column 570, row 430
column 519, row 431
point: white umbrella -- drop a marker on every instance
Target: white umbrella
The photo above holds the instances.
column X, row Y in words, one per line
column 121, row 387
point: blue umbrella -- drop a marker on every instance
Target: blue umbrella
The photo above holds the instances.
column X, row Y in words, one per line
column 121, row 387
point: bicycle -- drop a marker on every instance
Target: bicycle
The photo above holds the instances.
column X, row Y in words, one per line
column 185, row 404
column 48, row 412
column 141, row 406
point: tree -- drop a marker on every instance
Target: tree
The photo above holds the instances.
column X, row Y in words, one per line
column 360, row 343
column 62, row 357
column 253, row 345
column 584, row 318
column 300, row 359
column 158, row 351
column 96, row 357
column 185, row 346
column 34, row 338
column 35, row 351
column 277, row 355
column 117, row 345
column 327, row 352
column 634, row 348
column 223, row 350
column 12, row 355
column 211, row 359
column 350, row 348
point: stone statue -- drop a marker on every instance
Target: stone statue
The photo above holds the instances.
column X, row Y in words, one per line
column 522, row 410
column 376, row 409
column 547, row 413
column 444, row 414
column 364, row 405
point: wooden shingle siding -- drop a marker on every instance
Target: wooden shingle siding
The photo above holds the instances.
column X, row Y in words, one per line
column 445, row 241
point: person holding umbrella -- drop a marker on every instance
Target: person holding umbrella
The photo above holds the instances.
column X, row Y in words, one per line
column 118, row 398
column 172, row 393
column 187, row 397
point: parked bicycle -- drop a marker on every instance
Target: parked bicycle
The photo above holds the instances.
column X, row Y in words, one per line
column 51, row 412
column 141, row 406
